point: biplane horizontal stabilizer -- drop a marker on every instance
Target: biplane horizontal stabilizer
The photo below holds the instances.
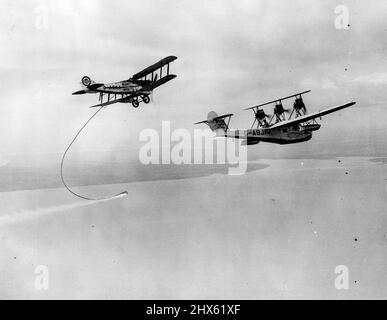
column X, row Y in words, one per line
column 200, row 122
column 214, row 117
column 79, row 92
column 217, row 123
column 95, row 86
column 223, row 116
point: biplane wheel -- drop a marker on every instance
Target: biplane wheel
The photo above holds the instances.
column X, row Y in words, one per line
column 135, row 103
column 86, row 81
column 146, row 99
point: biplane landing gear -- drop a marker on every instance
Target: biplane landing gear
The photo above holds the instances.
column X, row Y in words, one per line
column 135, row 103
column 146, row 99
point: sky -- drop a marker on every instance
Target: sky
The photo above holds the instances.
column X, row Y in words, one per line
column 231, row 55
column 292, row 221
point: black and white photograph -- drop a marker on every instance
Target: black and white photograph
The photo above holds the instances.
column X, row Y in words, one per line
column 193, row 150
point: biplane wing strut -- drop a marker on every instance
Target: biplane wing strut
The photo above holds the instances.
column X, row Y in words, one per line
column 156, row 84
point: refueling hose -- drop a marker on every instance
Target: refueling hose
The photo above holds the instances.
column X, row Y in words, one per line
column 121, row 194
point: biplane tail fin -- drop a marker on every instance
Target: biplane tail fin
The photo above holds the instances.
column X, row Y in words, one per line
column 216, row 123
column 88, row 83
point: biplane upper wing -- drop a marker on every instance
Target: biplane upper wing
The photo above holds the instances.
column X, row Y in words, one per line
column 153, row 67
column 289, row 123
column 280, row 99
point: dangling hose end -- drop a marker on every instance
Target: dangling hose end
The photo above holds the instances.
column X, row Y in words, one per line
column 122, row 194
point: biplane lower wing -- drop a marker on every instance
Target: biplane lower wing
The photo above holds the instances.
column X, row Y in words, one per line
column 298, row 120
column 154, row 67
column 108, row 103
column 155, row 84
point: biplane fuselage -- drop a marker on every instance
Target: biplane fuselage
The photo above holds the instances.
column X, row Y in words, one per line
column 120, row 87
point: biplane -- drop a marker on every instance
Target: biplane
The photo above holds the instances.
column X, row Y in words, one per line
column 275, row 128
column 136, row 89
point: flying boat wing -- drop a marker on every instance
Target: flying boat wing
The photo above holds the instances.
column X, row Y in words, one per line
column 307, row 117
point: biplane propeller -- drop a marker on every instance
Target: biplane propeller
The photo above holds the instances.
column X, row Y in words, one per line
column 282, row 131
column 138, row 88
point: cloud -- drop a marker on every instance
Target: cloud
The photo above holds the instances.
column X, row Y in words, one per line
column 373, row 79
column 3, row 163
column 26, row 215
